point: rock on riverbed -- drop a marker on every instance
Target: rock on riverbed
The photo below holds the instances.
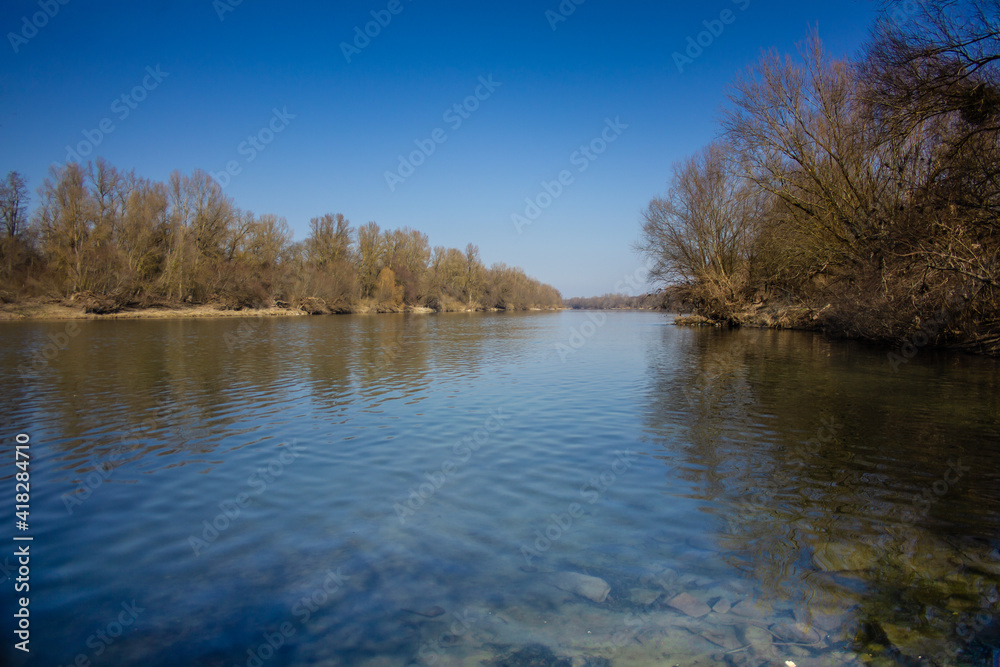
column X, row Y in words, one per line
column 584, row 585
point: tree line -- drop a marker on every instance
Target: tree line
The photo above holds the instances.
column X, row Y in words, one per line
column 110, row 239
column 618, row 302
column 861, row 196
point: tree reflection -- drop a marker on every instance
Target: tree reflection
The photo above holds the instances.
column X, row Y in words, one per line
column 830, row 481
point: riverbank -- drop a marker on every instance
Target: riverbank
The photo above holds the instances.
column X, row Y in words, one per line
column 944, row 331
column 70, row 310
column 770, row 317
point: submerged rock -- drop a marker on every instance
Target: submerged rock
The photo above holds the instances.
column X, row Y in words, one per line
column 690, row 605
column 724, row 637
column 799, row 633
column 642, row 596
column 845, row 557
column 584, row 585
column 826, row 619
column 665, row 579
column 430, row 612
column 750, row 609
column 722, row 606
column 533, row 655
column 759, row 638
column 871, row 633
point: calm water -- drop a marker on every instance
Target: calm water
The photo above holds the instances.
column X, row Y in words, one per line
column 395, row 490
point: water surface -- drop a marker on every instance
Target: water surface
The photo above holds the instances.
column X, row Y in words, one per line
column 395, row 490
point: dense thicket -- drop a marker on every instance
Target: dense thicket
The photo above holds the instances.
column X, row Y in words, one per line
column 861, row 196
column 112, row 239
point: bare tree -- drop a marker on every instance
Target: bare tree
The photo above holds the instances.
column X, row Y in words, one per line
column 370, row 254
column 329, row 241
column 703, row 233
column 14, row 199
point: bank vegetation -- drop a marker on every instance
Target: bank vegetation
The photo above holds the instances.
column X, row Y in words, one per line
column 108, row 240
column 857, row 196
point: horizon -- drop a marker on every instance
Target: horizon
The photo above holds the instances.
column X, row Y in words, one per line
column 543, row 155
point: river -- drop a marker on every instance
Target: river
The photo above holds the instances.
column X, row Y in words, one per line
column 503, row 489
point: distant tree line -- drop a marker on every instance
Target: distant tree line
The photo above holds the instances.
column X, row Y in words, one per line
column 111, row 239
column 858, row 196
column 617, row 302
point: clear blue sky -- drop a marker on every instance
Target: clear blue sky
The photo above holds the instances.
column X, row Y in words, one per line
column 221, row 80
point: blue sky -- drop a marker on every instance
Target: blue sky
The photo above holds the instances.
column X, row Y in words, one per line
column 200, row 78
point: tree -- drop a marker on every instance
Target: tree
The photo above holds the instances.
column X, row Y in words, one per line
column 704, row 233
column 473, row 275
column 201, row 221
column 329, row 240
column 370, row 255
column 942, row 57
column 267, row 241
column 803, row 134
column 14, row 198
column 129, row 241
column 407, row 252
column 66, row 220
column 387, row 292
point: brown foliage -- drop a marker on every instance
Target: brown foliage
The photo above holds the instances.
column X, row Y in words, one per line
column 876, row 187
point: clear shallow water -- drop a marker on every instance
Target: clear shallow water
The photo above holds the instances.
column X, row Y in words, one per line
column 393, row 490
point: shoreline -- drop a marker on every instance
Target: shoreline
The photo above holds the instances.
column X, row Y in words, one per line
column 60, row 310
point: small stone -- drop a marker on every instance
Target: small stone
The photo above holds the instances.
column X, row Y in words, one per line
column 689, row 605
column 666, row 579
column 584, row 585
column 799, row 633
column 820, row 618
column 749, row 609
column 643, row 596
column 726, row 638
column 759, row 638
column 722, row 606
column 687, row 579
column 844, row 557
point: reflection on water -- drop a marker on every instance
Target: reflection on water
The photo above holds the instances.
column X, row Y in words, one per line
column 450, row 490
